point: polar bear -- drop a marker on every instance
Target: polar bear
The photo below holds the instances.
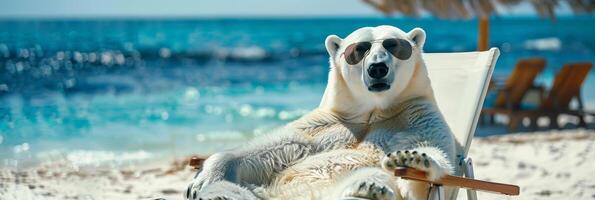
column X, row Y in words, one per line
column 377, row 113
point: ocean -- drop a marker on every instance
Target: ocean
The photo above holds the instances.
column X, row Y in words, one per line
column 122, row 91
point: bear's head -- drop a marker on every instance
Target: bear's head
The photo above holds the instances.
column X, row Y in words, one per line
column 373, row 70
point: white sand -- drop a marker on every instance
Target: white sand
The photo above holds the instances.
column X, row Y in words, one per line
column 546, row 165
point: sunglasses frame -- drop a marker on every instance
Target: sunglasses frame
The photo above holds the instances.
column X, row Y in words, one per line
column 373, row 42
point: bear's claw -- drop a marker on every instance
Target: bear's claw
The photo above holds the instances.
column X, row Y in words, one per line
column 370, row 190
column 407, row 159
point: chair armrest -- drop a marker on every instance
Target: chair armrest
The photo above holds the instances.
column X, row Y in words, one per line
column 460, row 182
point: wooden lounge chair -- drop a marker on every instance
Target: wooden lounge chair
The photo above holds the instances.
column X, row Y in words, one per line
column 511, row 93
column 460, row 82
column 566, row 87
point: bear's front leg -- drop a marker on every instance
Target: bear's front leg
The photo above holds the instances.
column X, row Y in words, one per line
column 253, row 164
column 429, row 159
column 367, row 183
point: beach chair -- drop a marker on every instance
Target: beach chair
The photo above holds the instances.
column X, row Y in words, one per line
column 510, row 94
column 460, row 82
column 566, row 87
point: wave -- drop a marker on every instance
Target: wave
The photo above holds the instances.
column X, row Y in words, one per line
column 544, row 44
column 119, row 55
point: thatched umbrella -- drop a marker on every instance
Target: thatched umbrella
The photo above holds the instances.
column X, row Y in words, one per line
column 466, row 9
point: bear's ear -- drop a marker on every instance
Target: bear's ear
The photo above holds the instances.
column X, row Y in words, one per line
column 332, row 44
column 418, row 36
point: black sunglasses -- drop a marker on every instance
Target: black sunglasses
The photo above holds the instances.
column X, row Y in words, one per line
column 399, row 48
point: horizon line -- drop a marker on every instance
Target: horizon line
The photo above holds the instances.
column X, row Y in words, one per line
column 174, row 17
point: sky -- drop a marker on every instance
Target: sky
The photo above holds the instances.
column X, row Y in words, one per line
column 172, row 8
column 194, row 8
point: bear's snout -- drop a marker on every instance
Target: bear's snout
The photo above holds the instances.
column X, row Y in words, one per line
column 377, row 77
column 378, row 70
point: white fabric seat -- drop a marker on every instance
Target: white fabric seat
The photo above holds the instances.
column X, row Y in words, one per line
column 460, row 82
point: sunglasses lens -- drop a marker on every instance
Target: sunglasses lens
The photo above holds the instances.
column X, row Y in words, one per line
column 399, row 48
column 356, row 52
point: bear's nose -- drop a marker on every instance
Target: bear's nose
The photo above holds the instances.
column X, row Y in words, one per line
column 378, row 70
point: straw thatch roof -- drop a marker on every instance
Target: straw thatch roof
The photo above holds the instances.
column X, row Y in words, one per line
column 464, row 9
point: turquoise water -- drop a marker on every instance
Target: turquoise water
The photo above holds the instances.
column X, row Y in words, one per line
column 121, row 91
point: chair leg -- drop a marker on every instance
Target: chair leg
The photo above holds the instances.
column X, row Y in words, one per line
column 581, row 121
column 492, row 119
column 581, row 108
column 554, row 121
column 436, row 192
column 513, row 122
column 468, row 170
column 534, row 124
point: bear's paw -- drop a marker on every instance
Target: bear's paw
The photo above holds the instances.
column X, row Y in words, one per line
column 435, row 164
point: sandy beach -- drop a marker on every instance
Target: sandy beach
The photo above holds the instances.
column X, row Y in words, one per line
column 546, row 165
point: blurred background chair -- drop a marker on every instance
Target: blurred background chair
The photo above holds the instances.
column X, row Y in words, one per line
column 510, row 94
column 566, row 87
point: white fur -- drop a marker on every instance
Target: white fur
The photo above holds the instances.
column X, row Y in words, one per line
column 340, row 146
